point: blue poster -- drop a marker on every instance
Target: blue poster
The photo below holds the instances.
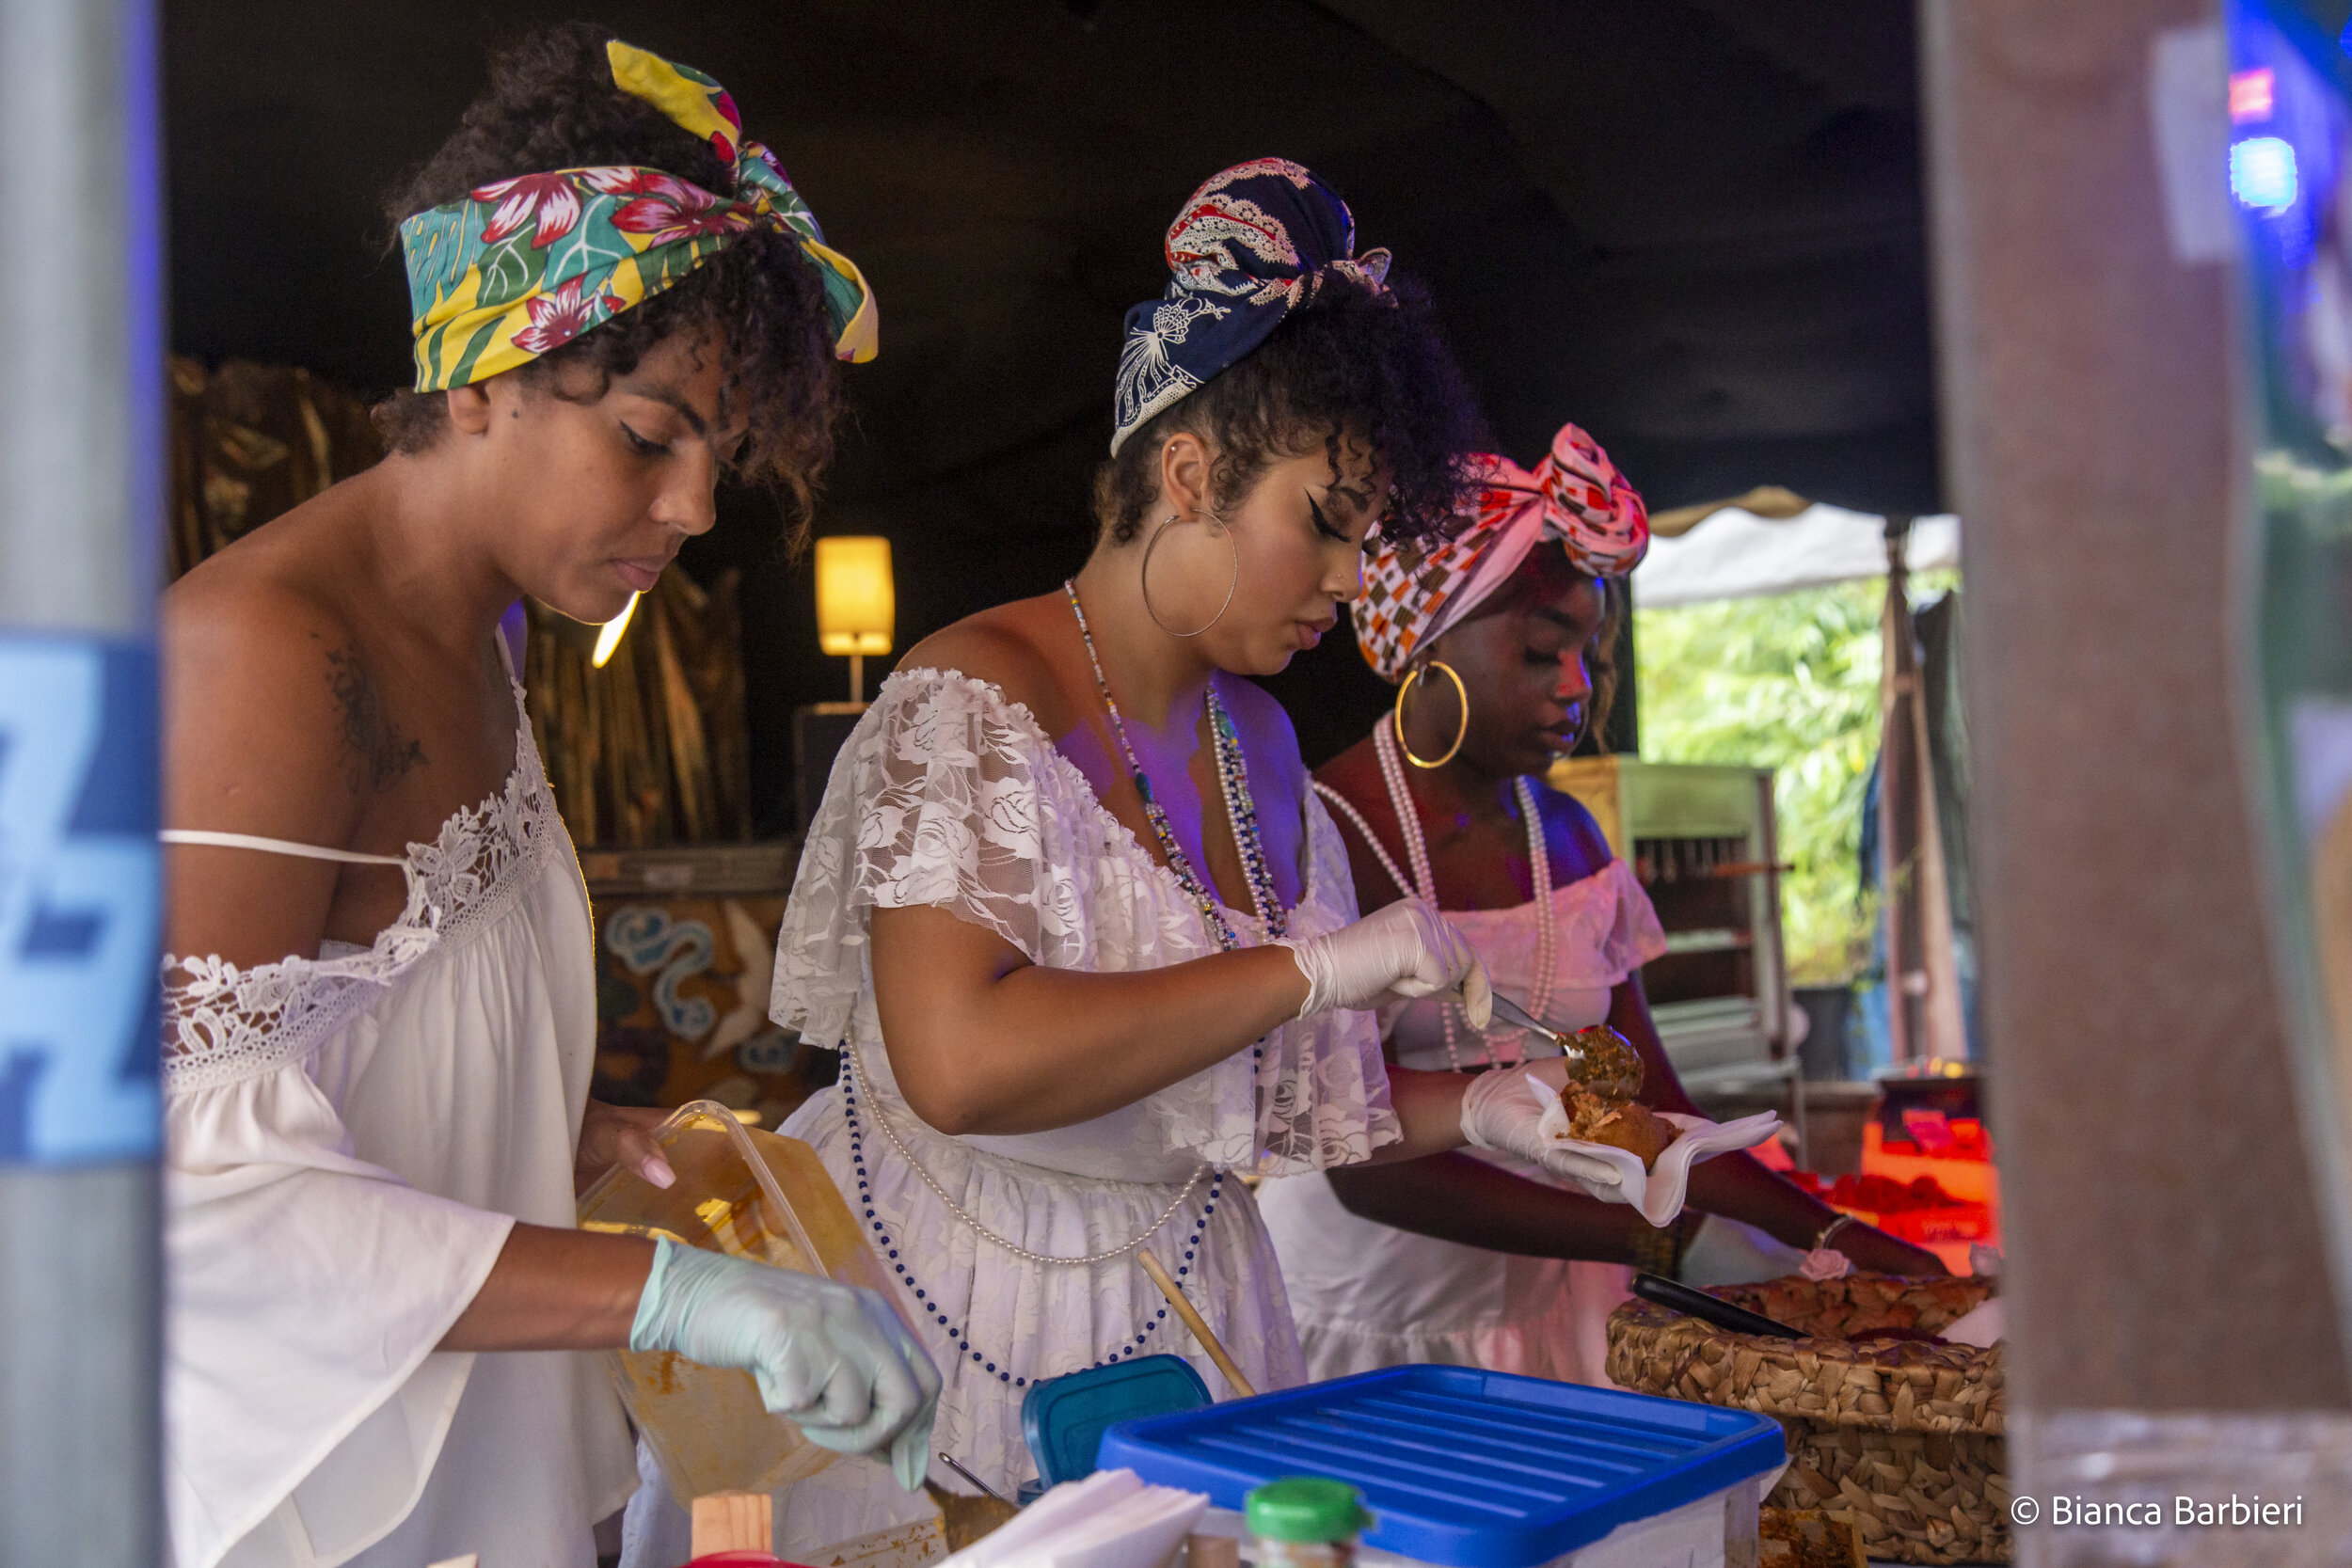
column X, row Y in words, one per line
column 79, row 902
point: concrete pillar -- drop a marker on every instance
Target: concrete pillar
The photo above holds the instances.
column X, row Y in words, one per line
column 81, row 466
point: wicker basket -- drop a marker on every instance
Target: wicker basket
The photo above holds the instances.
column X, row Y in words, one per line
column 1902, row 1438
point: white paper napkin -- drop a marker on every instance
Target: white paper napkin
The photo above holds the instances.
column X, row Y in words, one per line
column 1985, row 1326
column 1617, row 1175
column 1110, row 1519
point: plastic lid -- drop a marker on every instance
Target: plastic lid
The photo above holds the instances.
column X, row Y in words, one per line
column 1306, row 1509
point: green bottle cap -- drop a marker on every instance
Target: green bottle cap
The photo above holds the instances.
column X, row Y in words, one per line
column 1306, row 1508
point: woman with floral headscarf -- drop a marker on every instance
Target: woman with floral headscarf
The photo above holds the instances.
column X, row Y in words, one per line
column 379, row 1031
column 1464, row 1257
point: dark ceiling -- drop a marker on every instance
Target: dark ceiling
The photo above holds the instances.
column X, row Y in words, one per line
column 1694, row 226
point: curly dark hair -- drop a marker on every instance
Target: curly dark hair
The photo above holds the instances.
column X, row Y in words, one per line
column 553, row 104
column 1352, row 363
column 1608, row 646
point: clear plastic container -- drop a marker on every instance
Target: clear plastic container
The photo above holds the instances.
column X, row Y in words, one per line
column 749, row 1194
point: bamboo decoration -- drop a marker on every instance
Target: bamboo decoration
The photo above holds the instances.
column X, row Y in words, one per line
column 250, row 442
column 652, row 749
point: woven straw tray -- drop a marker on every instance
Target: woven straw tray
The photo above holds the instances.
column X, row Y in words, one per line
column 1903, row 1439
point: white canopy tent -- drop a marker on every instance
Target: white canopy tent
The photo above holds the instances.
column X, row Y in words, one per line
column 1736, row 554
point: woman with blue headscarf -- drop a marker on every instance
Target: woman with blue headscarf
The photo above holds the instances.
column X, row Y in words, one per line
column 1087, row 940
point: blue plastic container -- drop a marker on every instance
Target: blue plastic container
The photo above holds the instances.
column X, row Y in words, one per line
column 1064, row 1418
column 1462, row 1468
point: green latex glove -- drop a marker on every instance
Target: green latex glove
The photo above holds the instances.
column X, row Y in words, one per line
column 833, row 1359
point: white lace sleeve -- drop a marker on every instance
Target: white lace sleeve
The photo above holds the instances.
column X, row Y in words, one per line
column 1319, row 1096
column 948, row 794
column 1619, row 929
column 932, row 801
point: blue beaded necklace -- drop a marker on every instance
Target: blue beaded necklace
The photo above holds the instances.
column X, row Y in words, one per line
column 1241, row 810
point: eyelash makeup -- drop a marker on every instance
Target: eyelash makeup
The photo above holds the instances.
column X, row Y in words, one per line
column 1323, row 524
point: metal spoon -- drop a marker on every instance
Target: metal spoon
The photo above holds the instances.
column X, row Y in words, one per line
column 1512, row 1013
column 956, row 1465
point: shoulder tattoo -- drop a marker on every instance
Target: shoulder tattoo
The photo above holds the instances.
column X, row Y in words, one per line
column 376, row 755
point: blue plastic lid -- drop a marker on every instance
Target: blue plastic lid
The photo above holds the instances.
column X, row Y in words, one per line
column 1064, row 1418
column 1463, row 1467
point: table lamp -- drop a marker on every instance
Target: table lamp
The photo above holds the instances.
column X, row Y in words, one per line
column 857, row 603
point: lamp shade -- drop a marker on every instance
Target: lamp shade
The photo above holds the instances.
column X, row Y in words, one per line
column 857, row 607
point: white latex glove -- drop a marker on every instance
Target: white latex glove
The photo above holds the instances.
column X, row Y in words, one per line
column 1502, row 1110
column 1396, row 954
column 833, row 1359
column 1507, row 1110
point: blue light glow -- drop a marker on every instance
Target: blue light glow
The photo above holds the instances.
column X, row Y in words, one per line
column 2261, row 173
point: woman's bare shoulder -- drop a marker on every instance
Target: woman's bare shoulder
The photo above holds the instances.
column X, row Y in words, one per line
column 1266, row 730
column 1010, row 647
column 1563, row 812
column 261, row 664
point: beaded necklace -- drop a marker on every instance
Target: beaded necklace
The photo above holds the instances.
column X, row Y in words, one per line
column 1233, row 778
column 1233, row 772
column 1423, row 882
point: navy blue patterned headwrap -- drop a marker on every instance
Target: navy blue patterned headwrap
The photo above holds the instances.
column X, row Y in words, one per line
column 1249, row 245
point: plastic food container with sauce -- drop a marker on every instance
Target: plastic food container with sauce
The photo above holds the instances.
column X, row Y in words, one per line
column 747, row 1194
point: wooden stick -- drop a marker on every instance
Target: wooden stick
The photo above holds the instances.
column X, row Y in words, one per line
column 733, row 1522
column 1193, row 1320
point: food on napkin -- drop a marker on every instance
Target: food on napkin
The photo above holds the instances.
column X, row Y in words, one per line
column 1630, row 1126
column 1653, row 1181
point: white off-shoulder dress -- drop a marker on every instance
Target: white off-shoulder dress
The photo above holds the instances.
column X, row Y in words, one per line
column 949, row 795
column 351, row 1138
column 1367, row 1296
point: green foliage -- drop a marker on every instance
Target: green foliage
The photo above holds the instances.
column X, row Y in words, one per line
column 1789, row 683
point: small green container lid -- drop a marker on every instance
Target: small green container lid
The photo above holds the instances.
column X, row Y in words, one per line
column 1306, row 1508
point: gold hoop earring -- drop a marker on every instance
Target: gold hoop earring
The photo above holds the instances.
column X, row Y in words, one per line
column 1396, row 714
column 1144, row 577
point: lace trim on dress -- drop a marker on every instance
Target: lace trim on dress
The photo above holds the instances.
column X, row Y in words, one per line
column 950, row 795
column 223, row 1025
column 1607, row 930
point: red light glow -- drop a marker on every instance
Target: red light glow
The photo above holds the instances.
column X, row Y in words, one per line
column 2249, row 96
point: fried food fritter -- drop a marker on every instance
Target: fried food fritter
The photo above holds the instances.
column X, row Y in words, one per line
column 1608, row 1065
column 1631, row 1126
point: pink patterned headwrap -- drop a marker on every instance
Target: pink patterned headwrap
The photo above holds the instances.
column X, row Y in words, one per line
column 1576, row 496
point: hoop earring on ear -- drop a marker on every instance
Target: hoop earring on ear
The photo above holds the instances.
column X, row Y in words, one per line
column 1144, row 577
column 1396, row 714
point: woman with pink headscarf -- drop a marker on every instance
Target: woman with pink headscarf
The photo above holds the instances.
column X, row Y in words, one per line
column 1492, row 635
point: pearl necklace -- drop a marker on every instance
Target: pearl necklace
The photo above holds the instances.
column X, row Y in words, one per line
column 1423, row 884
column 1241, row 811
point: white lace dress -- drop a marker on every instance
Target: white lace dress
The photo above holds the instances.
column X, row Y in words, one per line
column 1367, row 1296
column 351, row 1138
column 949, row 795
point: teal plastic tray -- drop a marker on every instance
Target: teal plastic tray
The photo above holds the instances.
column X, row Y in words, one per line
column 1064, row 1418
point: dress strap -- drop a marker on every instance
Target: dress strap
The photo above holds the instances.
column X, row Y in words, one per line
column 276, row 846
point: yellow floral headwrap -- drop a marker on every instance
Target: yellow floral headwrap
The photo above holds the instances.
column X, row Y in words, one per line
column 524, row 266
